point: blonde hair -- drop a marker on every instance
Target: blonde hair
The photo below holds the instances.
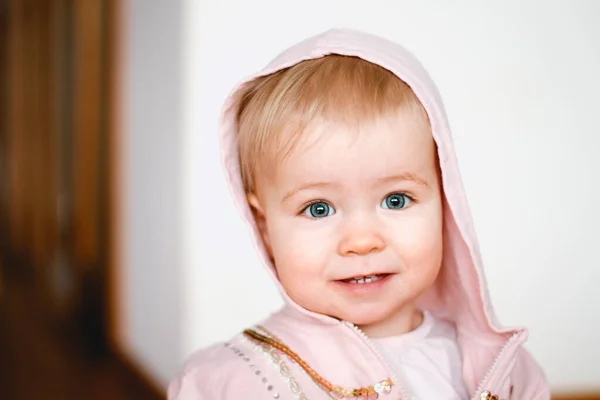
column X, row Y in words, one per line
column 274, row 110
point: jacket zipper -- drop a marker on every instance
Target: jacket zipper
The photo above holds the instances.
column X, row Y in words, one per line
column 487, row 376
column 403, row 394
column 393, row 376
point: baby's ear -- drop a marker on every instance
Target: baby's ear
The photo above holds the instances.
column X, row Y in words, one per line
column 261, row 220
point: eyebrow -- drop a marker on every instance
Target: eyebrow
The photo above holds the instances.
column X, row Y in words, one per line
column 305, row 186
column 405, row 176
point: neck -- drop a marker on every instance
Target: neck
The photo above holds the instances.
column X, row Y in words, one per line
column 408, row 319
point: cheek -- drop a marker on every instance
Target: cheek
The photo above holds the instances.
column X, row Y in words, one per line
column 301, row 259
column 421, row 246
column 298, row 250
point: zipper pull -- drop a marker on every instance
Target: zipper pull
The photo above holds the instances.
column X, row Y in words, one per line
column 488, row 396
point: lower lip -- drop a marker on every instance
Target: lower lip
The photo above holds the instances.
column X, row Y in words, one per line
column 363, row 288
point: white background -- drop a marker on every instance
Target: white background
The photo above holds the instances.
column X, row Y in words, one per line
column 520, row 80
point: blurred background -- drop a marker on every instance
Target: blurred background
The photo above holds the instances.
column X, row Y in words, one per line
column 57, row 86
column 120, row 249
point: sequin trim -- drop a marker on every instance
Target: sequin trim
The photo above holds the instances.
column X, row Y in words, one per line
column 270, row 388
column 274, row 358
column 337, row 392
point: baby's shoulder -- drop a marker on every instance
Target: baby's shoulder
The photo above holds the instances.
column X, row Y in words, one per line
column 218, row 355
column 219, row 372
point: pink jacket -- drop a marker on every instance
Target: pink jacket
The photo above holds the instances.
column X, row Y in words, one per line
column 493, row 357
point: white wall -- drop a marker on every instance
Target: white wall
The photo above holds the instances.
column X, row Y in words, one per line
column 520, row 84
column 152, row 148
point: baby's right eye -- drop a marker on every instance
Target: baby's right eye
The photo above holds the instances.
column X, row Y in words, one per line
column 318, row 209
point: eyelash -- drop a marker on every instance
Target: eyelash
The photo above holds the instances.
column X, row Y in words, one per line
column 307, row 205
column 409, row 196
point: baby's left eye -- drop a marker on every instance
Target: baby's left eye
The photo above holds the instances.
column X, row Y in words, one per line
column 396, row 201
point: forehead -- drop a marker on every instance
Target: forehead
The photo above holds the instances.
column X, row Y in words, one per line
column 401, row 142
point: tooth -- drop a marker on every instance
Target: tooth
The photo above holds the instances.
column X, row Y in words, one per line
column 361, row 280
column 368, row 280
column 353, row 281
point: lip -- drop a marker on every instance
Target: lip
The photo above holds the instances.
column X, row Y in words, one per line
column 359, row 274
column 363, row 288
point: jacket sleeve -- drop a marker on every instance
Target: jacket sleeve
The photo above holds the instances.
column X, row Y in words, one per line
column 528, row 379
column 218, row 383
column 201, row 377
column 186, row 387
column 219, row 374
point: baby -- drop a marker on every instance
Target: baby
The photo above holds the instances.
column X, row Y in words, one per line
column 340, row 159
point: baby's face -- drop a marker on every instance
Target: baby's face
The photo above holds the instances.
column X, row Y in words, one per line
column 353, row 221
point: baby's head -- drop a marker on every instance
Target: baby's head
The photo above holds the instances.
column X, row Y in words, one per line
column 340, row 168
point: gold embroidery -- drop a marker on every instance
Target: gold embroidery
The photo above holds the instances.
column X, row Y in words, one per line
column 273, row 342
column 273, row 357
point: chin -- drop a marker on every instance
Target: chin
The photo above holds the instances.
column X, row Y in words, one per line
column 368, row 316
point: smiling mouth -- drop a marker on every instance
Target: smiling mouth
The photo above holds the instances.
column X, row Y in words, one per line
column 361, row 280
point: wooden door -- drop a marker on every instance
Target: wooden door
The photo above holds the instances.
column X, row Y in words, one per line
column 55, row 149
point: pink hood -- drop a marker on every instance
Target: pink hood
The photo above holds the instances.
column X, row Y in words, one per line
column 460, row 293
column 493, row 358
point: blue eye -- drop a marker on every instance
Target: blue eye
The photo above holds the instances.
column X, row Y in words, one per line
column 319, row 209
column 396, row 201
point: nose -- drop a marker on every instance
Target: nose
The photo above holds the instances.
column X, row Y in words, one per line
column 360, row 239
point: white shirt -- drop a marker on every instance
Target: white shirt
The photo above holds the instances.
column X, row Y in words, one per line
column 427, row 360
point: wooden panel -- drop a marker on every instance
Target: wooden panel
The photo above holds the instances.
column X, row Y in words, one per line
column 30, row 145
column 29, row 128
column 4, row 32
column 112, row 63
column 48, row 74
column 15, row 140
column 43, row 145
column 60, row 86
column 29, row 118
column 87, row 127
